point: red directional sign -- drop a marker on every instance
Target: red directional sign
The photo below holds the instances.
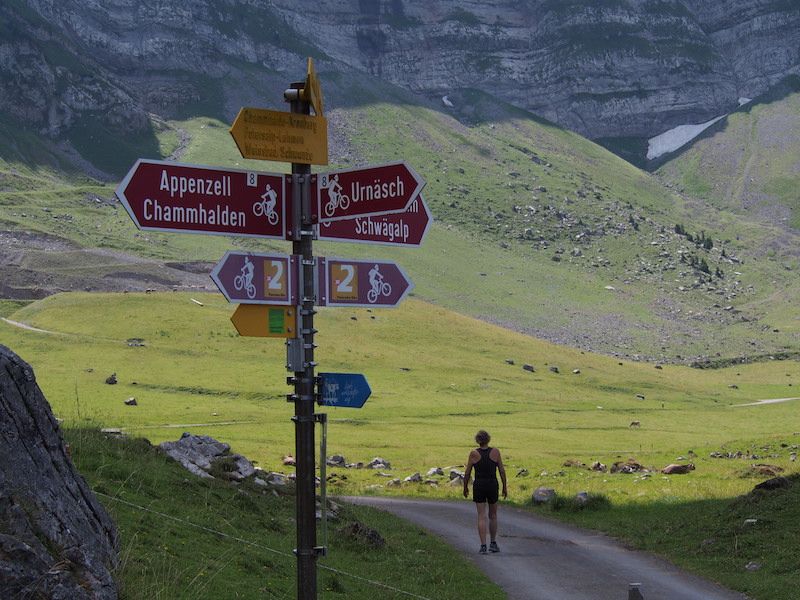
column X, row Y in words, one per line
column 252, row 278
column 167, row 196
column 397, row 229
column 362, row 283
column 370, row 191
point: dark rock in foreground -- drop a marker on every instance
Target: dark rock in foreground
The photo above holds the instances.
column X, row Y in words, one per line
column 56, row 539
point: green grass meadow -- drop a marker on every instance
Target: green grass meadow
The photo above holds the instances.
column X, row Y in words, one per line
column 436, row 377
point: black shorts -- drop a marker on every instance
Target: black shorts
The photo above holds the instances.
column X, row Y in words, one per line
column 485, row 491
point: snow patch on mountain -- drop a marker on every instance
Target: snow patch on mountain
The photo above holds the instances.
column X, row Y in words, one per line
column 671, row 140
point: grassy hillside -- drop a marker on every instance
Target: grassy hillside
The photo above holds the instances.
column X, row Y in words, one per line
column 534, row 225
column 747, row 164
column 436, row 378
column 187, row 538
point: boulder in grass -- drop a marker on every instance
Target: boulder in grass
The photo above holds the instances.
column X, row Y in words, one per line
column 337, row 460
column 379, row 463
column 543, row 495
column 205, row 457
column 456, row 474
column 677, row 469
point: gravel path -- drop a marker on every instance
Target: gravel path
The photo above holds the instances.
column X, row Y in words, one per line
column 544, row 560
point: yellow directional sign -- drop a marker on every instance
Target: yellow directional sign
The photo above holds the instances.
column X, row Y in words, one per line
column 281, row 136
column 265, row 320
column 312, row 92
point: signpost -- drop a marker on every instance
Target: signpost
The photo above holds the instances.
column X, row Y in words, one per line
column 363, row 283
column 257, row 278
column 407, row 228
column 347, row 390
column 261, row 320
column 368, row 191
column 278, row 293
column 280, row 136
column 168, row 196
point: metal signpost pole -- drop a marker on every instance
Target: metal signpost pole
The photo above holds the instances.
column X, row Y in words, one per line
column 304, row 383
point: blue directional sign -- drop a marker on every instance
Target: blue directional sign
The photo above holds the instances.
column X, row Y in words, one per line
column 348, row 390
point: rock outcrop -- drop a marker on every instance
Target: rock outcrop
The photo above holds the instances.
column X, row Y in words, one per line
column 200, row 453
column 56, row 540
column 604, row 69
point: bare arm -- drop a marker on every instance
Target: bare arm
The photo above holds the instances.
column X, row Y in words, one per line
column 502, row 471
column 471, row 460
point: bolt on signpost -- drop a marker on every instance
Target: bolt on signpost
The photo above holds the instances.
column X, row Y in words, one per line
column 277, row 294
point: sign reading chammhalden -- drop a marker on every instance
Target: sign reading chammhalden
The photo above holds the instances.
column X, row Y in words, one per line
column 167, row 196
column 281, row 136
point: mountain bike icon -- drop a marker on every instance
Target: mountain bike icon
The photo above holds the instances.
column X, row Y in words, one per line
column 380, row 289
column 244, row 280
column 336, row 199
column 267, row 206
column 379, row 286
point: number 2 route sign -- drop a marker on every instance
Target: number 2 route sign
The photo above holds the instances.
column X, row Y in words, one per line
column 252, row 278
column 362, row 283
column 167, row 196
column 378, row 190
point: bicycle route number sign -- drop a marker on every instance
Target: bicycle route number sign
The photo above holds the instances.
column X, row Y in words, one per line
column 254, row 278
column 362, row 283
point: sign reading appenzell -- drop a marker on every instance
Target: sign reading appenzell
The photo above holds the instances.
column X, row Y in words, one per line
column 377, row 190
column 167, row 196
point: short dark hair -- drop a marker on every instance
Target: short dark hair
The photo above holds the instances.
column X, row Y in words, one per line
column 482, row 437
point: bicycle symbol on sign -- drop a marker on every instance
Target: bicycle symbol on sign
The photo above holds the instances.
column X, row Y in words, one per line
column 244, row 280
column 379, row 286
column 336, row 199
column 267, row 205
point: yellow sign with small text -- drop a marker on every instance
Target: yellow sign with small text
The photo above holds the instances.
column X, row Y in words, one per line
column 281, row 136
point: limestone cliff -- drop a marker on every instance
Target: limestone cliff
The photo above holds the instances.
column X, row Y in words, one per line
column 605, row 68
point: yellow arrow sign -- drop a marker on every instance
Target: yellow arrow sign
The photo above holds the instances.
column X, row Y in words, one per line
column 265, row 320
column 281, row 136
column 312, row 92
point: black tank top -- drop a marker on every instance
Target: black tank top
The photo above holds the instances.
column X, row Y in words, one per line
column 485, row 468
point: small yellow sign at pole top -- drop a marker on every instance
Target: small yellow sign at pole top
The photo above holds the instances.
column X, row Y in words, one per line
column 265, row 320
column 281, row 136
column 312, row 92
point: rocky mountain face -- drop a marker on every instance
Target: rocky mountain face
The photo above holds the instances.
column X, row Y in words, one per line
column 56, row 540
column 604, row 68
